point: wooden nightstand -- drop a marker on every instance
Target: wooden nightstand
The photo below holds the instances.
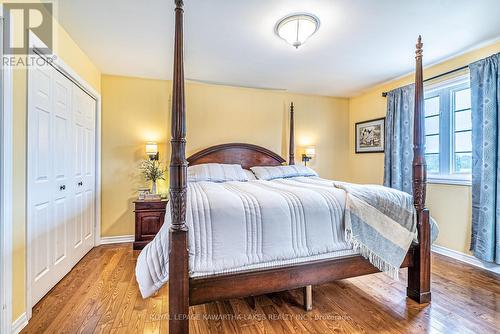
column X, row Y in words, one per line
column 149, row 217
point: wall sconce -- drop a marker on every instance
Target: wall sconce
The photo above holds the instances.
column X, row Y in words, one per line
column 309, row 154
column 152, row 151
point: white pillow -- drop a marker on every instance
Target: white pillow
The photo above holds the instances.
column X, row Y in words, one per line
column 282, row 172
column 216, row 173
column 250, row 175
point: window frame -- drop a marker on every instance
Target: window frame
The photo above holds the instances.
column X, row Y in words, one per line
column 445, row 93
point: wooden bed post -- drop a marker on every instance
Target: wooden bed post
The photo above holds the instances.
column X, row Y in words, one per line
column 419, row 273
column 178, row 291
column 307, row 290
column 291, row 148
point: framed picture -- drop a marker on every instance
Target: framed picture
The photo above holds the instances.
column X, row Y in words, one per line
column 370, row 136
column 142, row 193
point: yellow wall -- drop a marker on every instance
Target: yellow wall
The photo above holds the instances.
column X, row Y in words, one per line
column 449, row 205
column 134, row 111
column 72, row 55
column 137, row 110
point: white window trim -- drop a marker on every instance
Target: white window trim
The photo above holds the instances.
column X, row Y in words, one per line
column 451, row 179
column 454, row 80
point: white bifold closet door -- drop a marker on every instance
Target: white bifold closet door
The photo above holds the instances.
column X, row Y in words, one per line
column 60, row 178
column 83, row 172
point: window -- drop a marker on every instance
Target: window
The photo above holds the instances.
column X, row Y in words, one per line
column 448, row 128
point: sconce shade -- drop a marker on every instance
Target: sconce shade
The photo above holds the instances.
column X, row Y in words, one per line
column 310, row 151
column 151, row 149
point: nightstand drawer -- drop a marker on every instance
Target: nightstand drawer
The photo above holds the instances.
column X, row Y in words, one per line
column 150, row 205
column 149, row 223
column 149, row 218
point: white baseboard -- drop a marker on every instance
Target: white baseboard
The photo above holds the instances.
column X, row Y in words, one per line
column 117, row 239
column 495, row 268
column 19, row 323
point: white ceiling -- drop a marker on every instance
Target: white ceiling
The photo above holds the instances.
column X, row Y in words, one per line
column 360, row 42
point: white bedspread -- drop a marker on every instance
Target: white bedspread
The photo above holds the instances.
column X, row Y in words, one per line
column 246, row 225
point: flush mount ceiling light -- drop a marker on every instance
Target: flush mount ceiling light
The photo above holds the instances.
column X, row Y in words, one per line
column 297, row 28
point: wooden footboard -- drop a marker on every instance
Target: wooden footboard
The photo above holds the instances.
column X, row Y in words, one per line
column 249, row 283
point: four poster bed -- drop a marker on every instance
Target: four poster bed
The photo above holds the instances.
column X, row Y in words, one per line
column 185, row 290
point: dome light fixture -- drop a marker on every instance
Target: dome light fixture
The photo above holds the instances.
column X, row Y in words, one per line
column 296, row 29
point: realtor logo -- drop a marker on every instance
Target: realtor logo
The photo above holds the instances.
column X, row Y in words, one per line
column 20, row 19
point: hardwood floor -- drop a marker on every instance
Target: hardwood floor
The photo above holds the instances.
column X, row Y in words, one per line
column 100, row 295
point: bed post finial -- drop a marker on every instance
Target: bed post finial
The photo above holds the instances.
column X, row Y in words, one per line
column 178, row 258
column 291, row 148
column 419, row 273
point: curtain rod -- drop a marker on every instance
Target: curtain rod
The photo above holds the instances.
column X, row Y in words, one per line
column 384, row 94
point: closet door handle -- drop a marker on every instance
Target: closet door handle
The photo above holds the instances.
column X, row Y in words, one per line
column 62, row 187
column 80, row 183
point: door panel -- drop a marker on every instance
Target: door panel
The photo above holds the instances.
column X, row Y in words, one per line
column 41, row 266
column 89, row 206
column 78, row 190
column 78, row 173
column 85, row 163
column 78, row 239
column 61, row 143
column 62, row 123
column 60, row 147
column 79, row 150
column 42, row 128
column 40, row 179
column 60, row 232
column 89, row 156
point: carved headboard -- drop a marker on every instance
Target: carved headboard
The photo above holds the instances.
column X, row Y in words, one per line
column 246, row 155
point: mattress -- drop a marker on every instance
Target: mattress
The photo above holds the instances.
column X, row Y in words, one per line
column 236, row 226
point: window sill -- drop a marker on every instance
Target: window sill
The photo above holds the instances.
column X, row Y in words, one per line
column 448, row 179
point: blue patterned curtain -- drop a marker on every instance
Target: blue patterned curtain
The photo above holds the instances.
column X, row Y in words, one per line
column 399, row 138
column 485, row 94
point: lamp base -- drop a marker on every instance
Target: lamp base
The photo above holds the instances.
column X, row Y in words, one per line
column 305, row 158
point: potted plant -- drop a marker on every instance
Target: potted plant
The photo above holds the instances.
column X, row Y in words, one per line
column 152, row 170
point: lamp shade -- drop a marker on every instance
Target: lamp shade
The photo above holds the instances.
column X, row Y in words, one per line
column 151, row 148
column 296, row 29
column 310, row 151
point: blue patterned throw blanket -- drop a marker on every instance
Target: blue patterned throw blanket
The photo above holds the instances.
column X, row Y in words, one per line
column 380, row 223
